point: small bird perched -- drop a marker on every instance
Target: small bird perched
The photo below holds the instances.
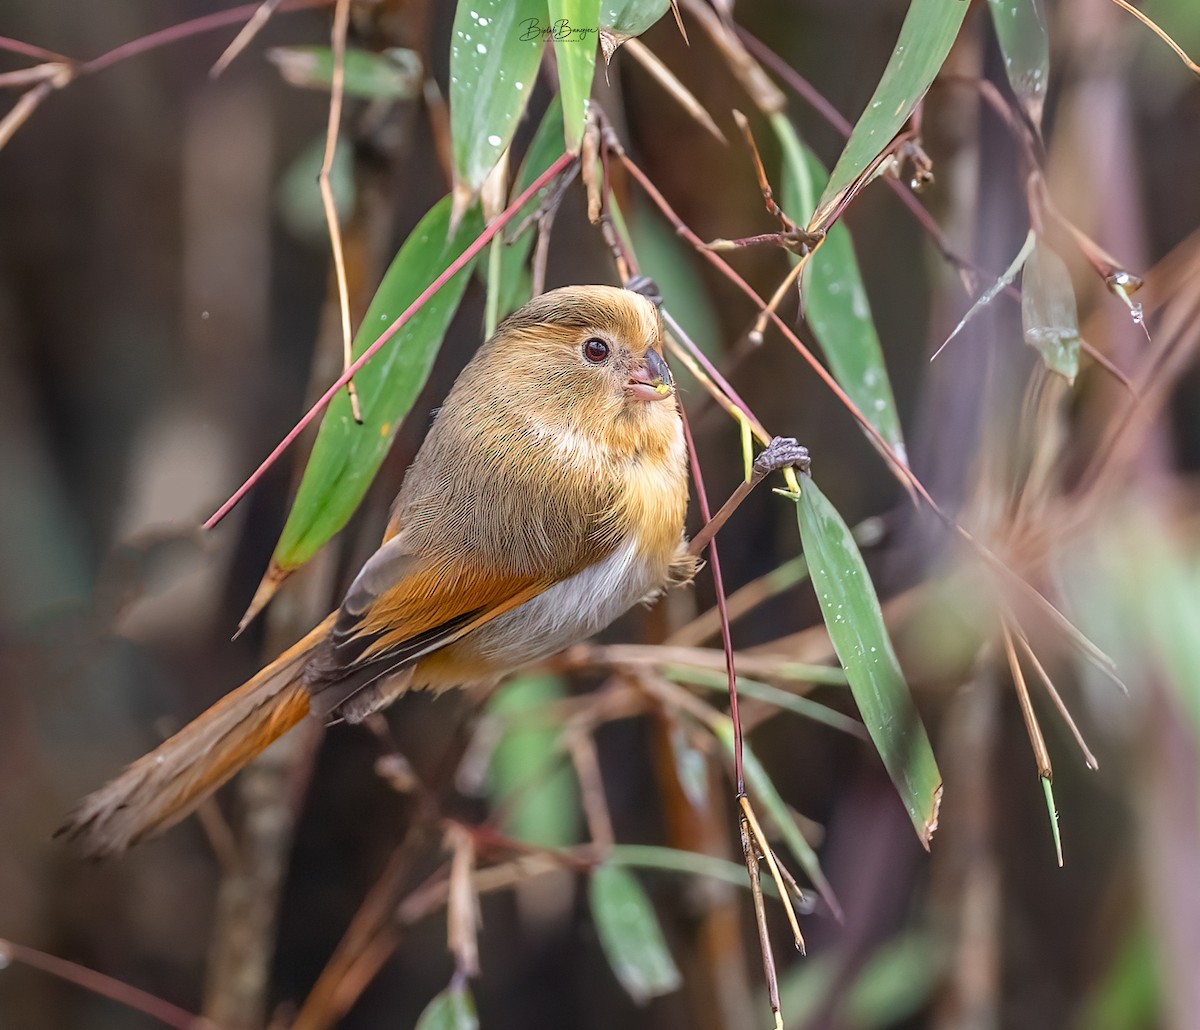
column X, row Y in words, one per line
column 548, row 498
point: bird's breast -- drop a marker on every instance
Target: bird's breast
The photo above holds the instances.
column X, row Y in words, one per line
column 648, row 502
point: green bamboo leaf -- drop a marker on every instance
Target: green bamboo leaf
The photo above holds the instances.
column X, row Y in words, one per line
column 623, row 19
column 575, row 24
column 630, row 935
column 631, row 17
column 1052, row 811
column 856, row 629
column 784, row 700
column 1021, row 30
column 675, row 860
column 691, row 768
column 527, row 779
column 392, row 74
column 1048, row 313
column 928, row 32
column 835, row 301
column 346, row 456
column 452, row 1009
column 509, row 283
column 494, row 55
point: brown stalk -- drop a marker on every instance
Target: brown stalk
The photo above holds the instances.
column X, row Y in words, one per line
column 18, row 46
column 709, row 658
column 244, row 37
column 32, row 99
column 341, row 23
column 714, row 561
column 591, row 786
column 1191, row 65
column 1048, row 683
column 750, row 855
column 768, row 854
column 1041, row 754
column 107, row 986
column 462, row 905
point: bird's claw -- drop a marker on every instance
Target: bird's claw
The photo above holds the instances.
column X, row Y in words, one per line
column 781, row 453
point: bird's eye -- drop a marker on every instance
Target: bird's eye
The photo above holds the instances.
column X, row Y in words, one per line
column 595, row 350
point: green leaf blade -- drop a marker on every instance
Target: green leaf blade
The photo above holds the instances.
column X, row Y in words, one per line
column 346, row 456
column 527, row 779
column 1021, row 30
column 627, row 18
column 1049, row 316
column 836, row 305
column 856, row 628
column 452, row 1009
column 394, row 74
column 509, row 280
column 495, row 51
column 630, row 934
column 928, row 32
column 575, row 23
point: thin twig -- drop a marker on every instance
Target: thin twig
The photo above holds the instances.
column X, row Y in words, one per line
column 341, row 23
column 750, row 855
column 27, row 103
column 244, row 37
column 591, row 785
column 771, row 667
column 1048, row 683
column 462, row 904
column 768, row 854
column 1191, row 65
column 69, row 69
column 739, row 772
column 99, row 983
column 185, row 30
column 19, row 46
column 1041, row 754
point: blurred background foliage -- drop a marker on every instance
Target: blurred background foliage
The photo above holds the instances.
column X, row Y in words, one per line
column 167, row 309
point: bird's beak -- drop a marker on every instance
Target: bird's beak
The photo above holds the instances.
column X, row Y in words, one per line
column 652, row 381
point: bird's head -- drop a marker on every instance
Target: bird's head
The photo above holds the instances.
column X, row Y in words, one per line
column 590, row 357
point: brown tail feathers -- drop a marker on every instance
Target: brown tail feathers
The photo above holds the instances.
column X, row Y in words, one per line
column 170, row 782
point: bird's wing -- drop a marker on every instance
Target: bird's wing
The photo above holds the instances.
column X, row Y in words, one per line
column 403, row 606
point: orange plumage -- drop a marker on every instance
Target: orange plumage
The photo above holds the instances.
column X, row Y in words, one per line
column 548, row 498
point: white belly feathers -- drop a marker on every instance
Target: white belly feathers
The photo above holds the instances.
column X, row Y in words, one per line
column 570, row 610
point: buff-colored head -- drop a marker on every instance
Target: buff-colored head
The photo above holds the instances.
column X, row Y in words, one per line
column 589, row 357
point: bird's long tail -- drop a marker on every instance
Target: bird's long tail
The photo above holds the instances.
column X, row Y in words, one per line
column 169, row 783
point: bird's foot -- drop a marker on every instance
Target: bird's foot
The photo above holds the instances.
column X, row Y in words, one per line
column 781, row 453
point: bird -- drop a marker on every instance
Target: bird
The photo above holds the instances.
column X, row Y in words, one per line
column 548, row 498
